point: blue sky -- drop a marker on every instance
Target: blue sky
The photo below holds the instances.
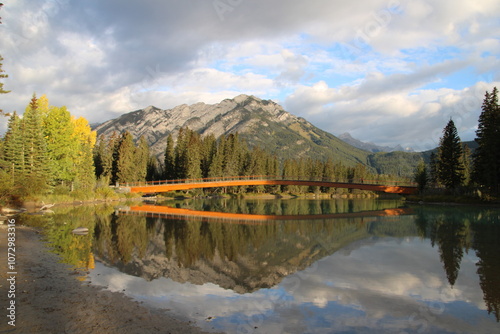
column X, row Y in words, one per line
column 387, row 71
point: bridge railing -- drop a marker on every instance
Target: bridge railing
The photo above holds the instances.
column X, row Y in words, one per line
column 271, row 178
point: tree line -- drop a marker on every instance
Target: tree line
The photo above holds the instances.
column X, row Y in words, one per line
column 192, row 156
column 455, row 168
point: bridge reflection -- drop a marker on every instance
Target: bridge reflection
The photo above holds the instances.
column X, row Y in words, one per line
column 234, row 181
column 171, row 212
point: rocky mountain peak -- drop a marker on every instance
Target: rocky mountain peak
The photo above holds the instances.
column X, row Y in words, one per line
column 259, row 122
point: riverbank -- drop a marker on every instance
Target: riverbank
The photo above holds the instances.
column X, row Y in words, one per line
column 49, row 298
column 451, row 200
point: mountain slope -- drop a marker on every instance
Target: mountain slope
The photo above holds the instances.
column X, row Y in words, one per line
column 259, row 122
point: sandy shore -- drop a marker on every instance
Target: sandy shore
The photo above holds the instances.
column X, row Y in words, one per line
column 49, row 298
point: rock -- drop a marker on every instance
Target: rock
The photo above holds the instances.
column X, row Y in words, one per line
column 80, row 231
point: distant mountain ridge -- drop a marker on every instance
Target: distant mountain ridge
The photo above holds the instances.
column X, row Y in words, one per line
column 371, row 147
column 262, row 123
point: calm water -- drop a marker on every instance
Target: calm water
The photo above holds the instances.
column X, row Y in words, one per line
column 355, row 266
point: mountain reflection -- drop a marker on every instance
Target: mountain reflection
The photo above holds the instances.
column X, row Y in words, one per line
column 248, row 257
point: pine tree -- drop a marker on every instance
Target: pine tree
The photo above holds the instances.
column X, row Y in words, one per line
column 486, row 159
column 450, row 165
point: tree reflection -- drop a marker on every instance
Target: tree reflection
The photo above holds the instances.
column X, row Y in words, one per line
column 487, row 245
column 457, row 230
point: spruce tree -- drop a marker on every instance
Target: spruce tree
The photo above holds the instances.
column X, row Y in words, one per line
column 486, row 159
column 169, row 172
column 13, row 148
column 193, row 156
column 141, row 159
column 450, row 164
column 35, row 145
column 125, row 169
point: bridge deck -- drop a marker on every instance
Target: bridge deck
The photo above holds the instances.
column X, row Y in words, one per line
column 165, row 186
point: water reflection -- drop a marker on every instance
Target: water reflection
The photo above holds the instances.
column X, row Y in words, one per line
column 435, row 269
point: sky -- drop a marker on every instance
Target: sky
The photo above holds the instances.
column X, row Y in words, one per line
column 386, row 71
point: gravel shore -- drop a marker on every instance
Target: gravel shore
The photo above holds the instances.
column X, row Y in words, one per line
column 50, row 299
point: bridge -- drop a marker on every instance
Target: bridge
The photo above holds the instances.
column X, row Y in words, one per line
column 234, row 181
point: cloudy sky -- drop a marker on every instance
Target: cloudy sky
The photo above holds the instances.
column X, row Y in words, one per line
column 387, row 71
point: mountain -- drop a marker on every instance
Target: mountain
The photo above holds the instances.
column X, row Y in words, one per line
column 259, row 122
column 371, row 147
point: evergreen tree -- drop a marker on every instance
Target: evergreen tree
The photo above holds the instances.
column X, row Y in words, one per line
column 170, row 159
column 433, row 173
column 467, row 162
column 124, row 164
column 193, row 156
column 208, row 151
column 13, row 148
column 99, row 153
column 181, row 155
column 329, row 175
column 216, row 166
column 141, row 159
column 421, row 177
column 486, row 158
column 450, row 165
column 34, row 142
column 154, row 172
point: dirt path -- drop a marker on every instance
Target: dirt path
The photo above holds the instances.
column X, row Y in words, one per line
column 49, row 298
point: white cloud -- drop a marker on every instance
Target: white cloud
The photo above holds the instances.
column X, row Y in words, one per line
column 341, row 63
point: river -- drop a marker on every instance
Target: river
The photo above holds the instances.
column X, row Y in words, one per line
column 294, row 265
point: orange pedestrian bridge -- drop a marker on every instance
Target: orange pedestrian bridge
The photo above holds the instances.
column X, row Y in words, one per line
column 393, row 187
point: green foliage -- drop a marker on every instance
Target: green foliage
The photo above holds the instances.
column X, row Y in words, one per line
column 170, row 159
column 61, row 146
column 124, row 168
column 45, row 148
column 421, row 177
column 487, row 155
column 450, row 158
